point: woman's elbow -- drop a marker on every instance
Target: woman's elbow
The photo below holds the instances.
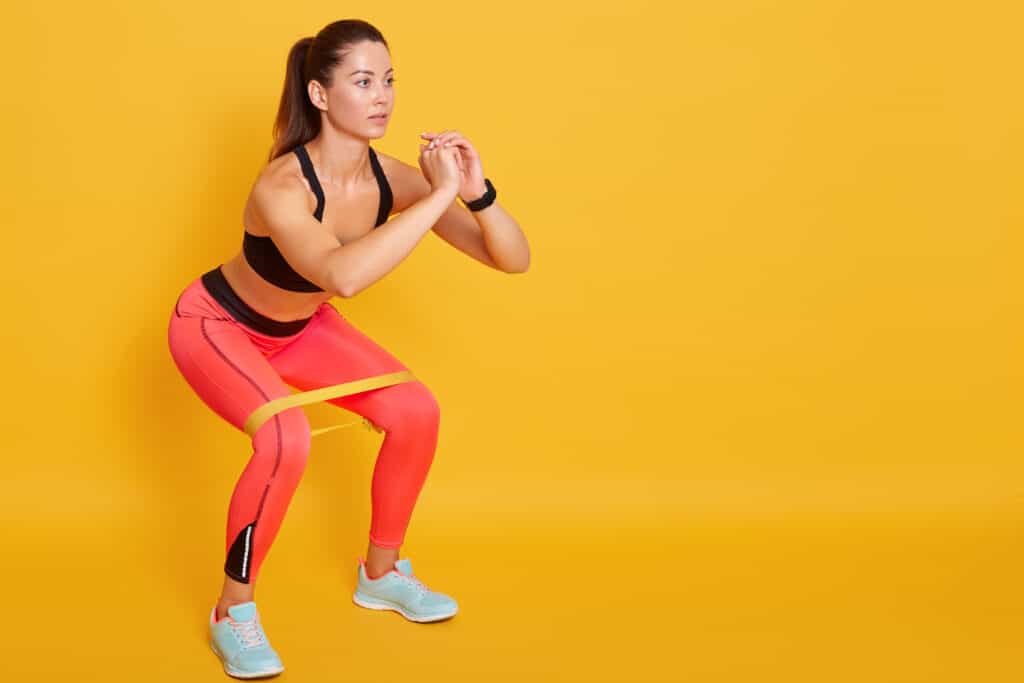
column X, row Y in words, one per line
column 343, row 287
column 518, row 268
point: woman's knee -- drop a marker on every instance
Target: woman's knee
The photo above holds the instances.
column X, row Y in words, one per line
column 419, row 405
column 410, row 405
column 286, row 437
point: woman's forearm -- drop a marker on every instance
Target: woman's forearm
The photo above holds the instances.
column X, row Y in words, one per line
column 503, row 238
column 357, row 265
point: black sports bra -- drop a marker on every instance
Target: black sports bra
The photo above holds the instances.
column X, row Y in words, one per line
column 262, row 254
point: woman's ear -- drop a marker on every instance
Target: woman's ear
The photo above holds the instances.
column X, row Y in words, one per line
column 317, row 95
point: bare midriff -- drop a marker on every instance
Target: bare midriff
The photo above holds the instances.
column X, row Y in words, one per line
column 271, row 301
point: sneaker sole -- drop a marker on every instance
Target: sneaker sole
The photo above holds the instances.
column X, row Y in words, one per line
column 374, row 604
column 231, row 671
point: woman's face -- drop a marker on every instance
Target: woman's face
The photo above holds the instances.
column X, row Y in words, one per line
column 362, row 88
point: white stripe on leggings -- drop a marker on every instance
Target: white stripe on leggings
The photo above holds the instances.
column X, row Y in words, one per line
column 245, row 557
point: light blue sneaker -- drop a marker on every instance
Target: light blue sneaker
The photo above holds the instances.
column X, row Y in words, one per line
column 238, row 640
column 400, row 591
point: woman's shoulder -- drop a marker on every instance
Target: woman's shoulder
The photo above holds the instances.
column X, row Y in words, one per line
column 283, row 174
column 279, row 182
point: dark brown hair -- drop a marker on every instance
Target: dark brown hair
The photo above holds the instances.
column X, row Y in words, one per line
column 298, row 121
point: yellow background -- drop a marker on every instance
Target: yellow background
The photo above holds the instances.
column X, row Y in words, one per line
column 753, row 413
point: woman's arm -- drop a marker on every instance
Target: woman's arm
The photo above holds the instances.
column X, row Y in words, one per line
column 501, row 234
column 491, row 235
column 314, row 253
column 362, row 262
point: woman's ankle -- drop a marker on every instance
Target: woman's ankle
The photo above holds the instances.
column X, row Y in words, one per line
column 224, row 603
column 233, row 593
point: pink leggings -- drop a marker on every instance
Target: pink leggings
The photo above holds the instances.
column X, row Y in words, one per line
column 234, row 369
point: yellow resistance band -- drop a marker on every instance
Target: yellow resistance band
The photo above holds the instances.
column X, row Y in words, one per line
column 271, row 408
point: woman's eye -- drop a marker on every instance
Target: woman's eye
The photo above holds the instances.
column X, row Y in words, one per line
column 367, row 80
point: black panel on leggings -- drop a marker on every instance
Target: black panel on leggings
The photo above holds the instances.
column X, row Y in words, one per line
column 219, row 288
column 239, row 560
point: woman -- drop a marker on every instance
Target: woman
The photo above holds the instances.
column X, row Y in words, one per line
column 316, row 226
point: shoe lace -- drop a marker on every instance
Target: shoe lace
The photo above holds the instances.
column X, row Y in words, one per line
column 249, row 632
column 421, row 589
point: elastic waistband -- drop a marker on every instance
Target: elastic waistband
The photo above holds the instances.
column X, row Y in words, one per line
column 217, row 285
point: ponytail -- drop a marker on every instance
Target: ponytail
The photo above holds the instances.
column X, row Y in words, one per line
column 298, row 121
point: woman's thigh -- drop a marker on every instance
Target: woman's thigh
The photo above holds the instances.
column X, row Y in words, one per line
column 223, row 366
column 333, row 351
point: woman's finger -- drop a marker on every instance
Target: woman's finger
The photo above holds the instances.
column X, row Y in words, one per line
column 439, row 139
column 448, row 136
column 465, row 148
column 457, row 142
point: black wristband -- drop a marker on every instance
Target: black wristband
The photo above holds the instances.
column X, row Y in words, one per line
column 486, row 200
